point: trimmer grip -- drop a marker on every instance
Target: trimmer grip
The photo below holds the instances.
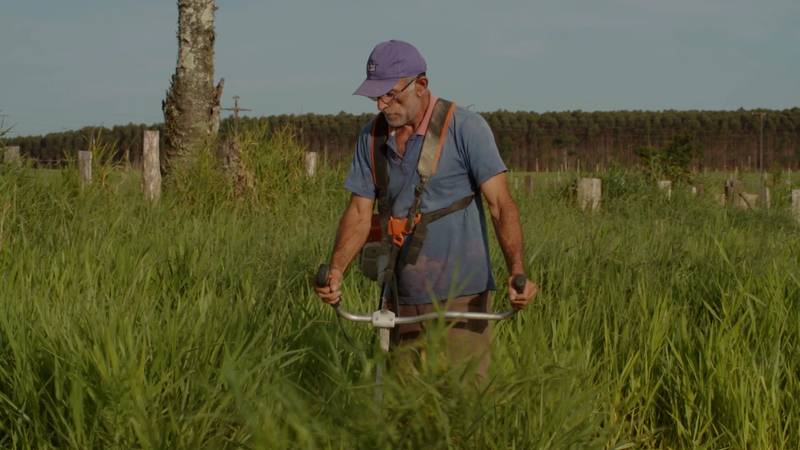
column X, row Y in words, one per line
column 518, row 282
column 321, row 279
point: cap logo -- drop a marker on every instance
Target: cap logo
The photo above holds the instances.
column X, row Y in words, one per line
column 371, row 67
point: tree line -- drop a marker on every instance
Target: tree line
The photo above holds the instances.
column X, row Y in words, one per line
column 527, row 140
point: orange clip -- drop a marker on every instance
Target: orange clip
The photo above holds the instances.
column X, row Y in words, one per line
column 397, row 229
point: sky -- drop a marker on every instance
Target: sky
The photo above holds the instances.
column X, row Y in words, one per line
column 69, row 64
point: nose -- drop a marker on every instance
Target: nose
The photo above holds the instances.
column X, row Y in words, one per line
column 382, row 104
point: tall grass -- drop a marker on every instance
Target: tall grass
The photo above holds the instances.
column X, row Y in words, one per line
column 191, row 323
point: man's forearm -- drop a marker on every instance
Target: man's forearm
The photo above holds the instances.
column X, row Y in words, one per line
column 350, row 237
column 509, row 234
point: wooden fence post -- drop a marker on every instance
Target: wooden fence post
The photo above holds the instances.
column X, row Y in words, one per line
column 589, row 193
column 11, row 155
column 666, row 186
column 151, row 165
column 311, row 163
column 85, row 166
column 796, row 204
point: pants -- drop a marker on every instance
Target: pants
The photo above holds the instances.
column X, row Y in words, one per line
column 465, row 341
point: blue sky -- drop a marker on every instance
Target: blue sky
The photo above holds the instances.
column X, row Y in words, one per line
column 68, row 64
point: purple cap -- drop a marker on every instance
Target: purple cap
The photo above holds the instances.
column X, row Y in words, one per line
column 389, row 62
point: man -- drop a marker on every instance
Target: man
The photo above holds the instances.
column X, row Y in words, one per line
column 452, row 269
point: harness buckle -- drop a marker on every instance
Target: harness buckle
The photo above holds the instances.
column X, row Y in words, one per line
column 398, row 228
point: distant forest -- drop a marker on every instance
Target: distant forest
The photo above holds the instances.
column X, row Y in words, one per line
column 527, row 140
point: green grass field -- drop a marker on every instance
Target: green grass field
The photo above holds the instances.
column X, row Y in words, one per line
column 192, row 324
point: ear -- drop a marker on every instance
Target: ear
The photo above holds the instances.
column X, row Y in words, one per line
column 422, row 84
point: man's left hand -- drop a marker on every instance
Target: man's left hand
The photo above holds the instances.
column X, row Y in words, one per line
column 521, row 300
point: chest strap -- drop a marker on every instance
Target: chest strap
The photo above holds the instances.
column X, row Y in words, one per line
column 421, row 230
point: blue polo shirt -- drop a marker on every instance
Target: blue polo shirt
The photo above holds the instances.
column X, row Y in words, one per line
column 454, row 259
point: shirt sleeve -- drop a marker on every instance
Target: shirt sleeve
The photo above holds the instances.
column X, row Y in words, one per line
column 480, row 150
column 359, row 179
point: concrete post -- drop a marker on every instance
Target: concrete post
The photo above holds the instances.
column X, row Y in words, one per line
column 85, row 166
column 589, row 193
column 11, row 155
column 732, row 190
column 764, row 198
column 151, row 165
column 745, row 200
column 311, row 163
column 666, row 186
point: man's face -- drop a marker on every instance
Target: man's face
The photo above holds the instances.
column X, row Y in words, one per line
column 403, row 102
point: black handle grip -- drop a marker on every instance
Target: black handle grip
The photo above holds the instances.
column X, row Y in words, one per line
column 518, row 282
column 321, row 279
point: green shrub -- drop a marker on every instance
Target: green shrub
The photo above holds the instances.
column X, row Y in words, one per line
column 672, row 162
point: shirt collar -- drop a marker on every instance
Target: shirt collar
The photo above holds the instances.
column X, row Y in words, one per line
column 426, row 120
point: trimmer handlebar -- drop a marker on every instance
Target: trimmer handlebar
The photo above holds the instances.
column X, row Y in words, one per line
column 321, row 280
column 387, row 319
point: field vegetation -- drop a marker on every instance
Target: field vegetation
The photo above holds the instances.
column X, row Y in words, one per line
column 191, row 323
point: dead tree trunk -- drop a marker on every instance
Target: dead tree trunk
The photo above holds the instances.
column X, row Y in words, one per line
column 191, row 109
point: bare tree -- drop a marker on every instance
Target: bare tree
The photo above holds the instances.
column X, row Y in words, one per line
column 4, row 129
column 191, row 108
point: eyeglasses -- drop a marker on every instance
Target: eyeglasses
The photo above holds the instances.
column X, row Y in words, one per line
column 390, row 96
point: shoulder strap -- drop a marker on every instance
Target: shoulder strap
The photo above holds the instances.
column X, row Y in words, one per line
column 380, row 171
column 435, row 138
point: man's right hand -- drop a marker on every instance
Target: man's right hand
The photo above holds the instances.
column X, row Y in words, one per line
column 332, row 293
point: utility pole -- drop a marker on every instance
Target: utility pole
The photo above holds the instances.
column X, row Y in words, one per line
column 236, row 110
column 764, row 191
column 761, row 114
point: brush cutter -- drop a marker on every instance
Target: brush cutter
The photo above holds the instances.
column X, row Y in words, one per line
column 383, row 320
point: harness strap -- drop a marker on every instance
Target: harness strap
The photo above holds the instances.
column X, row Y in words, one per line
column 421, row 230
column 430, row 155
column 380, row 169
column 434, row 139
column 441, row 212
column 380, row 176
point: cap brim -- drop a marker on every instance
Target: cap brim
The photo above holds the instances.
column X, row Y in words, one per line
column 375, row 88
